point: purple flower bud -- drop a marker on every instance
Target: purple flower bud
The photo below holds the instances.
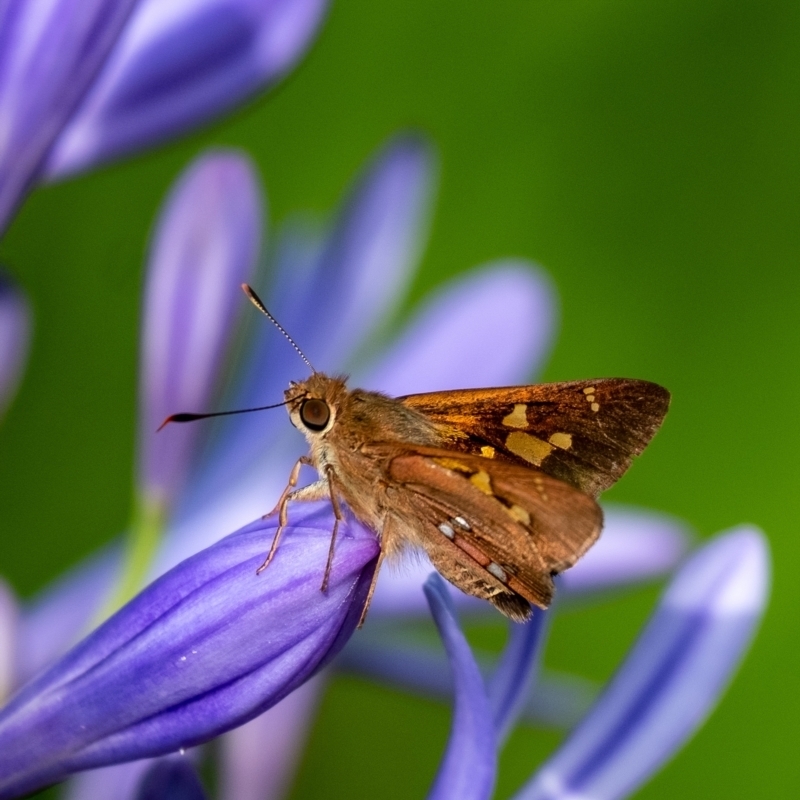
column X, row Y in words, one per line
column 179, row 64
column 49, row 55
column 172, row 778
column 84, row 81
column 205, row 246
column 205, row 648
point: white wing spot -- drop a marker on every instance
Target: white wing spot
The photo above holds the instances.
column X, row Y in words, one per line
column 496, row 570
column 462, row 523
column 447, row 530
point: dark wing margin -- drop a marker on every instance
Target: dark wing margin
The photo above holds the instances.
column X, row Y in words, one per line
column 496, row 530
column 585, row 433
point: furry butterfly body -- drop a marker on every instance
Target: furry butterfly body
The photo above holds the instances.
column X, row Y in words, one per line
column 498, row 486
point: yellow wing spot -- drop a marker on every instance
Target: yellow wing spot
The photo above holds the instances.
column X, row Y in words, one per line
column 595, row 407
column 452, row 463
column 488, row 452
column 518, row 418
column 590, row 398
column 528, row 447
column 482, row 480
column 589, row 390
column 519, row 514
column 562, row 440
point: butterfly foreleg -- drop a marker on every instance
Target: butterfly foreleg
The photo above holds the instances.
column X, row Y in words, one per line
column 294, row 476
column 281, row 508
column 337, row 513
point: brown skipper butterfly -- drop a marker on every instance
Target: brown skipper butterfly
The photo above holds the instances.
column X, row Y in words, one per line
column 497, row 486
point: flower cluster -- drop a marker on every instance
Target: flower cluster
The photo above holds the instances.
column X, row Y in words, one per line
column 84, row 81
column 209, row 647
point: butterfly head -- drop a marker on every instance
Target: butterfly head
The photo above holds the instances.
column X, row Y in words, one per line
column 313, row 403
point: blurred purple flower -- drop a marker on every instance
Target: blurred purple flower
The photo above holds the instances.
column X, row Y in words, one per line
column 206, row 244
column 84, row 81
column 15, row 325
column 672, row 678
column 220, row 476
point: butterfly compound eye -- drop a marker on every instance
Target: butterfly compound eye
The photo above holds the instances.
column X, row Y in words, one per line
column 315, row 414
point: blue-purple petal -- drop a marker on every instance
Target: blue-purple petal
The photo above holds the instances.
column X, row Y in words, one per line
column 672, row 678
column 179, row 64
column 173, row 778
column 493, row 327
column 512, row 680
column 469, row 765
column 636, row 545
column 205, row 245
column 368, row 259
column 15, row 331
column 207, row 647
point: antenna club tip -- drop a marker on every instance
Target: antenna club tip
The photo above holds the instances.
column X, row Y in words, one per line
column 183, row 417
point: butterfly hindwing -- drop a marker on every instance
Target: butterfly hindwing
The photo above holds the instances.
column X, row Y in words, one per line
column 583, row 432
column 495, row 529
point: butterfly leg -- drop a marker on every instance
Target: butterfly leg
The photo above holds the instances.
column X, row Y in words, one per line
column 371, row 588
column 391, row 543
column 294, row 476
column 337, row 513
column 280, row 507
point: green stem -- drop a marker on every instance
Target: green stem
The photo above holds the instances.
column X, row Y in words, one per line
column 143, row 540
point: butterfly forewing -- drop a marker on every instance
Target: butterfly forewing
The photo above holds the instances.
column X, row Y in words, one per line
column 583, row 432
column 495, row 529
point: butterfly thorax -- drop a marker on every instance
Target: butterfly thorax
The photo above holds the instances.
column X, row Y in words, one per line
column 345, row 441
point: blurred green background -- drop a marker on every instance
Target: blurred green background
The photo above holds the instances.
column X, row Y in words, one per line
column 647, row 155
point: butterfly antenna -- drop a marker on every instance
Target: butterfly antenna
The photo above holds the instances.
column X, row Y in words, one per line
column 258, row 303
column 184, row 417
